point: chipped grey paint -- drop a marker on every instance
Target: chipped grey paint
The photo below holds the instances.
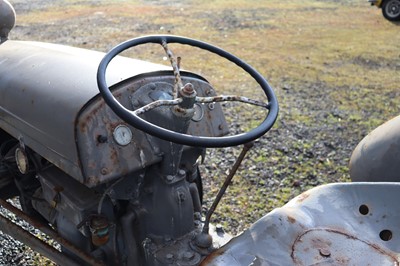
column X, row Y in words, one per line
column 53, row 83
column 336, row 224
column 97, row 121
column 231, row 98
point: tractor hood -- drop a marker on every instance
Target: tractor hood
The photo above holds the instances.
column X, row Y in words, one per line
column 50, row 102
column 43, row 87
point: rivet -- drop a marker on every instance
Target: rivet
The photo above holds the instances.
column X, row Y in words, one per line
column 104, row 171
column 324, row 253
column 182, row 173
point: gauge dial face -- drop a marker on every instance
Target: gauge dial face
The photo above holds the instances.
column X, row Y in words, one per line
column 198, row 112
column 22, row 161
column 122, row 135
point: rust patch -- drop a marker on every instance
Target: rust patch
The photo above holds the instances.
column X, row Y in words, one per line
column 302, row 197
column 212, row 256
column 322, row 244
column 291, row 219
column 114, row 157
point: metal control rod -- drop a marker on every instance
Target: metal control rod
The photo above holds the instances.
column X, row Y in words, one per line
column 228, row 180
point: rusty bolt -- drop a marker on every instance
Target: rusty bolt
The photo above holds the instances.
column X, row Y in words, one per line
column 324, row 253
column 188, row 88
column 104, row 171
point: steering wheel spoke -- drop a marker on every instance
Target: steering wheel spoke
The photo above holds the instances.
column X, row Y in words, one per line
column 185, row 101
column 155, row 104
column 231, row 98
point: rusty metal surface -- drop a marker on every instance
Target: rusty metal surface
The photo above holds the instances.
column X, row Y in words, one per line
column 231, row 98
column 175, row 66
column 52, row 83
column 103, row 160
column 336, row 224
column 219, row 98
column 155, row 104
column 227, row 182
column 325, row 246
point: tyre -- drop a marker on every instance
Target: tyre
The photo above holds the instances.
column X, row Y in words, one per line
column 391, row 10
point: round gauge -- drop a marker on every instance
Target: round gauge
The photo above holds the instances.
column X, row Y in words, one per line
column 22, row 160
column 198, row 112
column 122, row 135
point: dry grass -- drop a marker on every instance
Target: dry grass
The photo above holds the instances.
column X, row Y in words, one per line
column 323, row 57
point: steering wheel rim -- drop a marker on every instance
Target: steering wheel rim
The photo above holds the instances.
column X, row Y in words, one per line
column 180, row 138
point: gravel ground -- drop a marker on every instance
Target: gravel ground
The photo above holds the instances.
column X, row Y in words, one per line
column 310, row 145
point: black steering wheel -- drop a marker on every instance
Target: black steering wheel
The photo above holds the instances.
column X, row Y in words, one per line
column 132, row 117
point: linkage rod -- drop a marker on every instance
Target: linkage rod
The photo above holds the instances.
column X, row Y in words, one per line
column 228, row 180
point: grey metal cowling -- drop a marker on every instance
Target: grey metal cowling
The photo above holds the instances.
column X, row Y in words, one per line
column 7, row 19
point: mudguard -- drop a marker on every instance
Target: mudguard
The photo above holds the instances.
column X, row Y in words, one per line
column 336, row 224
column 377, row 157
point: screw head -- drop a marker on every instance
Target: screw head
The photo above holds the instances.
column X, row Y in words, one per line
column 188, row 88
column 324, row 252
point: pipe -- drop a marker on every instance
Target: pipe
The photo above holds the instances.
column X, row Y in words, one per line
column 129, row 237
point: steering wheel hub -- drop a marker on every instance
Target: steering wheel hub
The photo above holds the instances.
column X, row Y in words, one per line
column 186, row 98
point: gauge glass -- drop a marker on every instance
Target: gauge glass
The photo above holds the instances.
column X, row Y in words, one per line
column 22, row 161
column 122, row 135
column 198, row 112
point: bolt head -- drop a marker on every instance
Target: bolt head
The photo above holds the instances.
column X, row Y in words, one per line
column 188, row 255
column 188, row 88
